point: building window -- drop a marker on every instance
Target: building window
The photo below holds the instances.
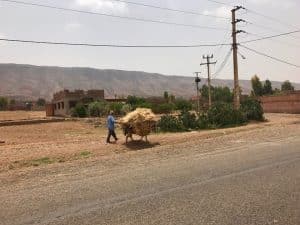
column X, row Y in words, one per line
column 58, row 105
column 54, row 106
column 62, row 105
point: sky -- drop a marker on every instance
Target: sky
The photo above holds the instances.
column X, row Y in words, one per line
column 34, row 23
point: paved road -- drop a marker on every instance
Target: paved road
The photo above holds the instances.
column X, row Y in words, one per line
column 238, row 184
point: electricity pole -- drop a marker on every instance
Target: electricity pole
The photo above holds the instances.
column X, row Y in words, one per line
column 208, row 63
column 235, row 58
column 197, row 81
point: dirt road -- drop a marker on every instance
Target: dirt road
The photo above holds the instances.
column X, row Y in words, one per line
column 246, row 177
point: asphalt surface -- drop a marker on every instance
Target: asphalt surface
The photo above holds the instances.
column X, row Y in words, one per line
column 238, row 184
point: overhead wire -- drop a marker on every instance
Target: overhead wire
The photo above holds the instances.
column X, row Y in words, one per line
column 271, row 57
column 113, row 16
column 171, row 9
column 111, row 45
column 271, row 18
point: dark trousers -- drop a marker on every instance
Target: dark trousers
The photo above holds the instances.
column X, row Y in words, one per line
column 111, row 133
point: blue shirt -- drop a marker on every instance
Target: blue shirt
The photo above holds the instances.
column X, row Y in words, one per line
column 110, row 122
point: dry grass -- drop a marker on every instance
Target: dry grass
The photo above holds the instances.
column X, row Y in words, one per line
column 21, row 115
column 43, row 144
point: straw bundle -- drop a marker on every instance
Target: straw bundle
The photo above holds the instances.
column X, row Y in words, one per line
column 141, row 121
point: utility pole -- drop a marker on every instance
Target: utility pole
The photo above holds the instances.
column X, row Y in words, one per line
column 197, row 81
column 208, row 63
column 235, row 58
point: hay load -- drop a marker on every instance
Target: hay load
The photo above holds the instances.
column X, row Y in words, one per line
column 140, row 122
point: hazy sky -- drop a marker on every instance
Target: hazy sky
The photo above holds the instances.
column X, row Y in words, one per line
column 33, row 23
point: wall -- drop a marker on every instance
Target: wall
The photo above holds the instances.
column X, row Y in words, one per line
column 287, row 103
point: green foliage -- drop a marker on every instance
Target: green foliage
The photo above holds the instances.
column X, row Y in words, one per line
column 41, row 102
column 126, row 108
column 202, row 121
column 116, row 107
column 136, row 102
column 287, row 86
column 188, row 120
column 267, row 89
column 96, row 109
column 252, row 109
column 170, row 123
column 223, row 114
column 218, row 94
column 257, row 87
column 163, row 108
column 183, row 105
column 3, row 103
column 79, row 111
column 166, row 96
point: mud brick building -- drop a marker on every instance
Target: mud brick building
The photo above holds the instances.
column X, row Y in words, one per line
column 65, row 100
column 286, row 103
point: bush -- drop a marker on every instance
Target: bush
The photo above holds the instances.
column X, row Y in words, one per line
column 163, row 108
column 170, row 123
column 116, row 107
column 126, row 108
column 223, row 114
column 79, row 111
column 202, row 121
column 96, row 109
column 3, row 103
column 252, row 109
column 188, row 120
column 183, row 105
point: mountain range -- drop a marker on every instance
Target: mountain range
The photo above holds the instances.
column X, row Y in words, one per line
column 32, row 82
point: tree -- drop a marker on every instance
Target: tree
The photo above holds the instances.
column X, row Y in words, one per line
column 41, row 102
column 166, row 96
column 218, row 94
column 183, row 105
column 257, row 88
column 267, row 89
column 287, row 86
column 3, row 103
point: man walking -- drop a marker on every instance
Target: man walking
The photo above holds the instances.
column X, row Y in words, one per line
column 111, row 127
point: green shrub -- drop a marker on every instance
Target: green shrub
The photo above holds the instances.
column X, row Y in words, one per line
column 116, row 107
column 163, row 108
column 188, row 120
column 183, row 105
column 126, row 108
column 170, row 123
column 96, row 109
column 79, row 111
column 252, row 109
column 3, row 103
column 202, row 121
column 223, row 114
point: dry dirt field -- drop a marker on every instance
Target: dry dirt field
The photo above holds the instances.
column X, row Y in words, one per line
column 43, row 144
column 21, row 115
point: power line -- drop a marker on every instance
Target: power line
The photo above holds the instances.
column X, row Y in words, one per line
column 170, row 9
column 271, row 18
column 139, row 46
column 111, row 45
column 220, row 3
column 271, row 57
column 114, row 16
column 272, row 36
column 275, row 40
column 223, row 64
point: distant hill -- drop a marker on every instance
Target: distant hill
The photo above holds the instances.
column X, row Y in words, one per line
column 33, row 82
